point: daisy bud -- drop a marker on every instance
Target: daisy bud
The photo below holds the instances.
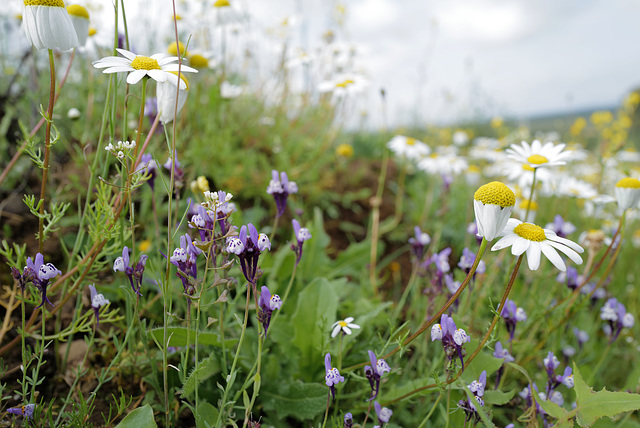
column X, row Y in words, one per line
column 47, row 25
column 628, row 193
column 492, row 204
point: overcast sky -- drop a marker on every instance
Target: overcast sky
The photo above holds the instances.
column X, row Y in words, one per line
column 444, row 59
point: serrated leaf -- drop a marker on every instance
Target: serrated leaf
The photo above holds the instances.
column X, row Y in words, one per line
column 178, row 337
column 592, row 406
column 142, row 417
column 204, row 370
column 302, row 400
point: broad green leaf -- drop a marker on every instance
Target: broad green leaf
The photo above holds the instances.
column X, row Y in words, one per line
column 204, row 370
column 314, row 256
column 142, row 417
column 595, row 405
column 207, row 415
column 498, row 397
column 178, row 337
column 302, row 400
column 316, row 308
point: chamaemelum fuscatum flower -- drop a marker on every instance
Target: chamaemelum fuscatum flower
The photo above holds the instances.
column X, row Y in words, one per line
column 628, row 193
column 539, row 155
column 80, row 20
column 47, row 25
column 159, row 67
column 492, row 205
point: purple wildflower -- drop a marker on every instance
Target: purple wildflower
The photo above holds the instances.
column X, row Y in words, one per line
column 302, row 234
column 248, row 249
column 383, row 413
column 268, row 303
column 348, row 421
column 419, row 243
column 26, row 411
column 617, row 318
column 466, row 262
column 453, row 338
column 560, row 227
column 332, row 375
column 204, row 221
column 441, row 263
column 178, row 177
column 97, row 301
column 280, row 188
column 477, row 389
column 133, row 272
column 512, row 315
column 503, row 354
column 185, row 259
column 150, row 168
column 581, row 335
column 38, row 273
column 374, row 373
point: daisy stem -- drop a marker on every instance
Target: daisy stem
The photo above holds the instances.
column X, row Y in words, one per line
column 533, row 188
column 47, row 149
column 142, row 106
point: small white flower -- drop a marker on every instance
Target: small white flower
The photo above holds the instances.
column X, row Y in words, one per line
column 538, row 155
column 73, row 113
column 344, row 325
column 407, row 147
column 628, row 193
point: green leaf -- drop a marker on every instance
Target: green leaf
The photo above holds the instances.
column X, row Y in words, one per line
column 595, row 405
column 204, row 370
column 316, row 308
column 178, row 337
column 142, row 417
column 498, row 397
column 207, row 415
column 480, row 409
column 303, row 400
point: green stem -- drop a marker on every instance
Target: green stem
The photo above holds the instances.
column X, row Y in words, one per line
column 24, row 352
column 326, row 412
column 47, row 149
column 533, row 188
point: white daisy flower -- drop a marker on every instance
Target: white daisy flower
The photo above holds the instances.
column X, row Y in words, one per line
column 492, row 205
column 407, row 147
column 447, row 164
column 80, row 20
column 158, row 66
column 166, row 99
column 538, row 155
column 47, row 25
column 534, row 240
column 628, row 193
column 228, row 90
column 344, row 325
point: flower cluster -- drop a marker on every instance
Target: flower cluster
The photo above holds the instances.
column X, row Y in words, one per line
column 280, row 188
column 617, row 318
column 185, row 259
column 38, row 273
column 453, row 338
column 469, row 406
column 374, row 373
column 512, row 315
column 120, row 148
column 248, row 249
column 302, row 234
column 551, row 363
column 220, row 203
column 268, row 303
column 133, row 272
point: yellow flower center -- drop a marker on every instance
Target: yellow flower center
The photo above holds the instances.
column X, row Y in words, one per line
column 173, row 50
column 92, row 31
column 342, row 323
column 144, row 245
column 52, row 3
column 344, row 150
column 344, row 83
column 529, row 205
column 530, row 231
column 537, row 159
column 77, row 10
column 198, row 61
column 629, row 182
column 145, row 63
column 495, row 193
column 411, row 141
column 528, row 167
column 221, row 3
column 473, row 169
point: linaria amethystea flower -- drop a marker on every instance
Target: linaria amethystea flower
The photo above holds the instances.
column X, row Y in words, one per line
column 39, row 274
column 383, row 413
column 581, row 335
column 441, row 262
column 97, row 301
column 26, row 411
column 502, row 353
column 185, row 259
column 150, row 168
column 280, row 188
column 332, row 375
column 492, row 205
column 453, row 338
column 466, row 262
column 47, row 25
column 248, row 249
column 628, row 193
column 158, row 67
column 617, row 318
column 374, row 373
column 302, row 234
column 538, row 155
column 344, row 325
column 561, row 227
column 512, row 315
column 268, row 303
column 477, row 389
column 419, row 243
column 133, row 272
column 348, row 421
column 535, row 241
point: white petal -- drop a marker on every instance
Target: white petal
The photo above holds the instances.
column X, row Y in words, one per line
column 569, row 243
column 335, row 331
column 118, row 69
column 183, row 69
column 553, row 256
column 346, row 329
column 136, row 76
column 520, row 246
column 157, row 75
column 354, row 326
column 127, row 54
column 533, row 255
column 348, row 319
column 568, row 251
column 505, row 242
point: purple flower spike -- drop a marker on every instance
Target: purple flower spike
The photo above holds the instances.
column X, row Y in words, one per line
column 39, row 274
column 248, row 250
column 453, row 338
column 26, row 411
column 502, row 353
column 134, row 273
column 97, row 301
column 469, row 406
column 374, row 373
column 302, row 234
column 419, row 243
column 348, row 420
column 332, row 376
column 267, row 303
column 280, row 188
column 383, row 413
column 512, row 315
